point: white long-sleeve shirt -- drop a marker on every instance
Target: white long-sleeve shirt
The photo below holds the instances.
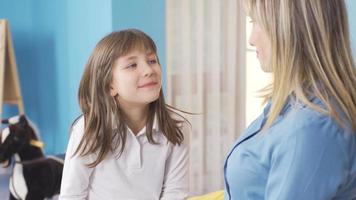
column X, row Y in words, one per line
column 143, row 171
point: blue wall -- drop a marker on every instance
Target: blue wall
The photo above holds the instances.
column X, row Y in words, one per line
column 53, row 40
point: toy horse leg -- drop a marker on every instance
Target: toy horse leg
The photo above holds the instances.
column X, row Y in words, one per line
column 34, row 195
column 12, row 197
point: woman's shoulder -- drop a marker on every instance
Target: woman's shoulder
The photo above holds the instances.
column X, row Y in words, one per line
column 312, row 126
column 309, row 116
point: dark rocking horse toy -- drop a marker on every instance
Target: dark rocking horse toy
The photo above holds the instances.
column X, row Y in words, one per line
column 34, row 176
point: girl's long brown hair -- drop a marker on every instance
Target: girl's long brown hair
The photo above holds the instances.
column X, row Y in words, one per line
column 104, row 122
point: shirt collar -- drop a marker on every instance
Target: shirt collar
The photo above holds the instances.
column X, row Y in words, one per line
column 291, row 99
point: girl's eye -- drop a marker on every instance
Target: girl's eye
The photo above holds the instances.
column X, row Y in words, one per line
column 152, row 61
column 133, row 65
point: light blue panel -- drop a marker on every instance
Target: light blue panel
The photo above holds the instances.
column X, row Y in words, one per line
column 352, row 16
column 51, row 58
column 146, row 15
column 87, row 22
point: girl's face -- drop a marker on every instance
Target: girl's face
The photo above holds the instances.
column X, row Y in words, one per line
column 136, row 79
column 260, row 40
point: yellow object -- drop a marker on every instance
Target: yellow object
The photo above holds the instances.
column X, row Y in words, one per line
column 218, row 195
column 37, row 143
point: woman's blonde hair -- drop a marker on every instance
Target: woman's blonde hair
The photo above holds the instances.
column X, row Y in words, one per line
column 102, row 112
column 310, row 55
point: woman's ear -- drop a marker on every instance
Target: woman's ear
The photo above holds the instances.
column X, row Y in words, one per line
column 112, row 91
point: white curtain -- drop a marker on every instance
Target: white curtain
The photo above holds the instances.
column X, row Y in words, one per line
column 206, row 52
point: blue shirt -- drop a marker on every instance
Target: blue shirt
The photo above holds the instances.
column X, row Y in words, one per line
column 304, row 155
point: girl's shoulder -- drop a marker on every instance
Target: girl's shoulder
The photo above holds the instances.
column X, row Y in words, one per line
column 77, row 127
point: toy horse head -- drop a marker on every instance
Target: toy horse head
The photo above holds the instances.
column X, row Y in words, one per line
column 19, row 138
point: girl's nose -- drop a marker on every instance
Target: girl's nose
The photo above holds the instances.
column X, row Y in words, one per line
column 147, row 70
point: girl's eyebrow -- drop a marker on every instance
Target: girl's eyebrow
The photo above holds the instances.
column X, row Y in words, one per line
column 135, row 57
column 150, row 53
column 131, row 58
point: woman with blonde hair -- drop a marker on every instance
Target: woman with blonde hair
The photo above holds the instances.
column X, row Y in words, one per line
column 303, row 146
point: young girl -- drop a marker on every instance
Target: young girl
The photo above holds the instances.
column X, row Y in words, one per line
column 128, row 144
column 303, row 146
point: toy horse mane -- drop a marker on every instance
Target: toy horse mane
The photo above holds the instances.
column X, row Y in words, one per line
column 16, row 119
